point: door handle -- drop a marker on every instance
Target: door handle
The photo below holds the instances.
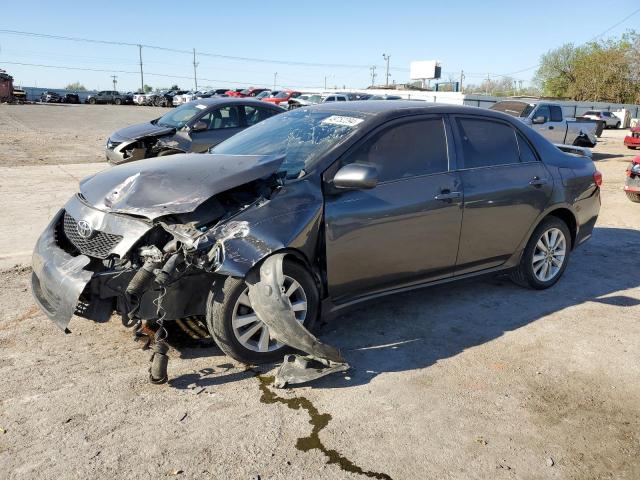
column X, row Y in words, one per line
column 537, row 181
column 447, row 195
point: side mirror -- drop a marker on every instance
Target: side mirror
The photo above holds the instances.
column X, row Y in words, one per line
column 356, row 176
column 538, row 120
column 199, row 126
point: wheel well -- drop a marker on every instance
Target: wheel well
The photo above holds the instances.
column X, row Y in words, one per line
column 569, row 219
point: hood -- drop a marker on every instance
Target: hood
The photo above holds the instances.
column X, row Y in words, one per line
column 174, row 184
column 140, row 130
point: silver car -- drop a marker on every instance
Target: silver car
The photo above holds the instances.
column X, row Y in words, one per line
column 609, row 119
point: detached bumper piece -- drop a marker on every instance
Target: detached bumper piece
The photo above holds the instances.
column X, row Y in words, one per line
column 58, row 279
column 274, row 308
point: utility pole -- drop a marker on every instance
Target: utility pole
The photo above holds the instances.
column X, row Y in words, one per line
column 141, row 74
column 115, row 81
column 195, row 65
column 373, row 74
column 461, row 79
column 275, row 76
column 325, row 82
column 387, row 57
column 486, row 88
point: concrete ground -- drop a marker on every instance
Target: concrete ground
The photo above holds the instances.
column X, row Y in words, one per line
column 476, row 380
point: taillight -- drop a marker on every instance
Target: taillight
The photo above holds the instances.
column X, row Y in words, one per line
column 597, row 177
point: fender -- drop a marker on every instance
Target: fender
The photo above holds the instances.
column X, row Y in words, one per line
column 515, row 258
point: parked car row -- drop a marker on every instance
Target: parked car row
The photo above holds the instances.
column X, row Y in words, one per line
column 54, row 97
column 110, row 96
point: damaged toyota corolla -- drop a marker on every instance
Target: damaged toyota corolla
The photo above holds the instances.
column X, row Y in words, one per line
column 316, row 209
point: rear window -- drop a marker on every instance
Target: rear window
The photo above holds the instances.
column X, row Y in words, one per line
column 513, row 108
column 487, row 143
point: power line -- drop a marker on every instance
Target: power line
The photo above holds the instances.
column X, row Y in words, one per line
column 180, row 77
column 176, row 50
column 590, row 40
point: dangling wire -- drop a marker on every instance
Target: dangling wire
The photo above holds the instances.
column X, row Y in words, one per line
column 161, row 334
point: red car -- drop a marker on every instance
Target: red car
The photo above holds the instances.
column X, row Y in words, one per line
column 632, row 184
column 282, row 97
column 633, row 140
column 247, row 92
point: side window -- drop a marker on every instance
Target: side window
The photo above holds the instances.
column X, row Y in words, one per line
column 254, row 115
column 407, row 150
column 330, row 99
column 526, row 152
column 543, row 111
column 556, row 113
column 225, row 117
column 342, row 99
column 487, row 143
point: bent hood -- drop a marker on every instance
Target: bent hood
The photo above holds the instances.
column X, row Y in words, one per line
column 140, row 130
column 174, row 184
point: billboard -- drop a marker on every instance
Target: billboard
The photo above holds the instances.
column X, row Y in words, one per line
column 424, row 69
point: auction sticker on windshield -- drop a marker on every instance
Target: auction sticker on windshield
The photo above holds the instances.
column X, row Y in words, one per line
column 342, row 120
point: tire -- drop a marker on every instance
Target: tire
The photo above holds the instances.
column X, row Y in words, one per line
column 617, row 125
column 631, row 148
column 223, row 301
column 524, row 274
column 633, row 196
column 118, row 101
column 92, row 101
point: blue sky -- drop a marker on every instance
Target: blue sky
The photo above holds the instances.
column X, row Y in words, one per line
column 496, row 37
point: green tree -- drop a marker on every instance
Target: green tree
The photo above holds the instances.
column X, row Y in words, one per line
column 174, row 87
column 607, row 71
column 76, row 87
column 148, row 88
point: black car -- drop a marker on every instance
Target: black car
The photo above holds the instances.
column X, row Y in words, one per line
column 50, row 97
column 110, row 96
column 70, row 98
column 166, row 99
column 192, row 127
column 346, row 201
column 218, row 92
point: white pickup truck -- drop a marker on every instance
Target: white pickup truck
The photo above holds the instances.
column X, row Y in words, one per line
column 547, row 118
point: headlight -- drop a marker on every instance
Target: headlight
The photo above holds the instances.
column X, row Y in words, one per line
column 636, row 168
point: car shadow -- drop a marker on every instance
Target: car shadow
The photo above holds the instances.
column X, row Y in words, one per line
column 414, row 330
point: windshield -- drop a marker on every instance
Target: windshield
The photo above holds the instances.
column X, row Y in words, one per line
column 301, row 135
column 515, row 109
column 282, row 95
column 266, row 93
column 179, row 117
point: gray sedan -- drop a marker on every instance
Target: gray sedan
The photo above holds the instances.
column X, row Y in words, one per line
column 193, row 127
column 354, row 199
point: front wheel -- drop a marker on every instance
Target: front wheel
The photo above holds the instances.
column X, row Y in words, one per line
column 546, row 255
column 633, row 196
column 238, row 331
column 118, row 101
column 92, row 101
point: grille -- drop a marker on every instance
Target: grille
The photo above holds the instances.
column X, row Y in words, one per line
column 99, row 245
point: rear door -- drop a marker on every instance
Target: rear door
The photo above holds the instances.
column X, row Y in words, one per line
column 222, row 123
column 505, row 185
column 404, row 230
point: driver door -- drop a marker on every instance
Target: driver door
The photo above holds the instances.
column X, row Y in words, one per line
column 221, row 123
column 404, row 230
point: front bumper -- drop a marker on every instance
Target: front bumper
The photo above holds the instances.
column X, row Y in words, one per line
column 124, row 152
column 632, row 184
column 630, row 141
column 58, row 279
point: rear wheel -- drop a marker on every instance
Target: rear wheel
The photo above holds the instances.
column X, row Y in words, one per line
column 118, row 101
column 546, row 255
column 92, row 101
column 617, row 125
column 633, row 196
column 236, row 328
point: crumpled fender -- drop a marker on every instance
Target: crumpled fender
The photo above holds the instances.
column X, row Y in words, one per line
column 290, row 220
column 274, row 308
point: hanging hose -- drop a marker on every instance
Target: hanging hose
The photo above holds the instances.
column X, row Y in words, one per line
column 159, row 358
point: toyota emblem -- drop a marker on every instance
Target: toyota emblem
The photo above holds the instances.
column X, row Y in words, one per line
column 84, row 229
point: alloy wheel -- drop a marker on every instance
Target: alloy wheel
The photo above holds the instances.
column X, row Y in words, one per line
column 251, row 332
column 549, row 254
